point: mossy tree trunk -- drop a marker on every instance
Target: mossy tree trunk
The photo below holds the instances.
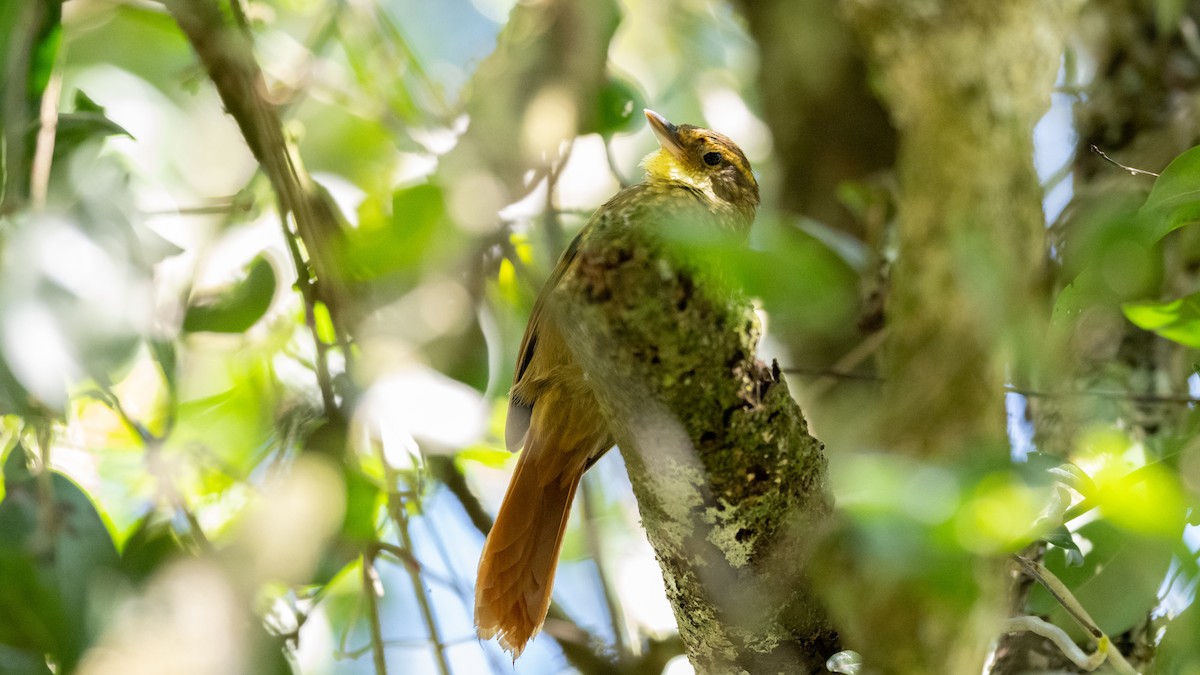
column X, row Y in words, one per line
column 965, row 82
column 1141, row 107
column 730, row 485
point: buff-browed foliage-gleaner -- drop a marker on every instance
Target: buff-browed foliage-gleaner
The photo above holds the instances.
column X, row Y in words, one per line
column 697, row 177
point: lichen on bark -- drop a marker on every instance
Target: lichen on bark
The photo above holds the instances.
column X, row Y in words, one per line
column 730, row 485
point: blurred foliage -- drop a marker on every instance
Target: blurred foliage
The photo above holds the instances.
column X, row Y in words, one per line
column 186, row 429
column 237, row 308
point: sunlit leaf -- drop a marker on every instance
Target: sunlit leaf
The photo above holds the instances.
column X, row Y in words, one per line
column 413, row 234
column 1108, row 258
column 1176, row 320
column 362, row 506
column 785, row 268
column 1148, row 501
column 234, row 426
column 342, row 600
column 130, row 33
column 999, row 515
column 237, row 308
column 1175, row 199
column 489, row 456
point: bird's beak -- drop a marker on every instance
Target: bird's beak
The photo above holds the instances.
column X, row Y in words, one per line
column 667, row 133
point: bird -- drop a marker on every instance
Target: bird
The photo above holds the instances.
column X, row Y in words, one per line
column 553, row 415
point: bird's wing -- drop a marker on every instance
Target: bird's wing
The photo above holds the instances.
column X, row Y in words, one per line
column 519, row 412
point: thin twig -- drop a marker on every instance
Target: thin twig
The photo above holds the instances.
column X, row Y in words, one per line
column 413, row 64
column 304, row 282
column 155, row 465
column 347, row 653
column 830, row 372
column 554, row 229
column 43, row 154
column 577, row 648
column 1100, row 393
column 840, row 372
column 612, row 163
column 1061, row 594
column 372, row 587
column 214, row 210
column 47, row 512
column 466, row 595
column 848, row 362
column 400, row 517
column 596, row 550
column 27, row 26
column 1091, row 501
column 1096, row 149
column 410, row 561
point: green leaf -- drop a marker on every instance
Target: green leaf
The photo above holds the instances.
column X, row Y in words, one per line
column 269, row 656
column 14, row 400
column 362, row 506
column 1176, row 320
column 54, row 550
column 1061, row 537
column 1117, row 583
column 149, row 548
column 1174, row 200
column 618, row 107
column 234, row 425
column 239, row 307
column 86, row 123
column 20, row 662
column 1179, row 651
column 45, row 53
column 165, row 356
column 403, row 241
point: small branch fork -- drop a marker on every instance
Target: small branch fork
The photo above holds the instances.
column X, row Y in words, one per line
column 1105, row 651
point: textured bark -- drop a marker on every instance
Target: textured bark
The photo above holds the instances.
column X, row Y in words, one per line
column 729, row 483
column 827, row 126
column 1142, row 107
column 831, row 137
column 965, row 81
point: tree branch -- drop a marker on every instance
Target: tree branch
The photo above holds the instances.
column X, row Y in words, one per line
column 227, row 55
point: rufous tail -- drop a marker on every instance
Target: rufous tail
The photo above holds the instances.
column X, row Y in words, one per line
column 516, row 569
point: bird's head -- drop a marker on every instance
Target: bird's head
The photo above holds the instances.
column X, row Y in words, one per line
column 703, row 159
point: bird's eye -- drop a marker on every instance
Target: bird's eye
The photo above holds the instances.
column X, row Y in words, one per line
column 712, row 158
